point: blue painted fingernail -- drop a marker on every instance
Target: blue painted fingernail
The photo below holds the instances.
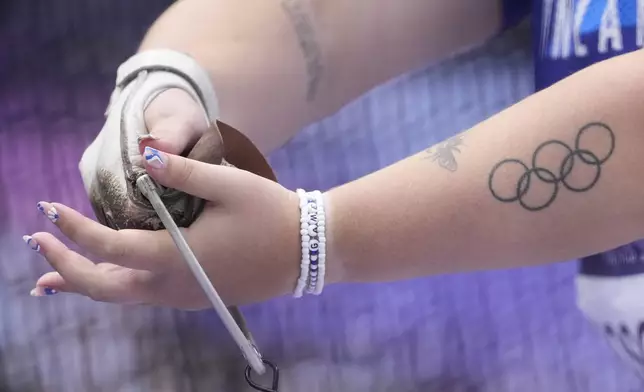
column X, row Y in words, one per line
column 31, row 242
column 154, row 157
column 50, row 291
column 41, row 207
column 43, row 291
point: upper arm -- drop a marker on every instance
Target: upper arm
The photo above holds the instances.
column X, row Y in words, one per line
column 380, row 39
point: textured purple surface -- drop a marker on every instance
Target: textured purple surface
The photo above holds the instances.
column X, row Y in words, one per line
column 498, row 331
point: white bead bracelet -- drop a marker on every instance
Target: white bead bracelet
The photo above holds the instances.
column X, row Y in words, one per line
column 312, row 231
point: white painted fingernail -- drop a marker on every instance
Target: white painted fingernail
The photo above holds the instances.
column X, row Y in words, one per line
column 31, row 242
column 154, row 157
column 52, row 214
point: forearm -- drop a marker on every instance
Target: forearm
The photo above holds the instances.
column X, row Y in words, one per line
column 278, row 65
column 417, row 218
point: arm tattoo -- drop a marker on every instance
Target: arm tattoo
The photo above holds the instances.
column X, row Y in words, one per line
column 444, row 153
column 308, row 43
column 577, row 168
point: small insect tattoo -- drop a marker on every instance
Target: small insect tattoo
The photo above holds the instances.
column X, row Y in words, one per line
column 444, row 153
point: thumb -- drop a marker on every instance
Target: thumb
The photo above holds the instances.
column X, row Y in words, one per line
column 175, row 122
column 200, row 179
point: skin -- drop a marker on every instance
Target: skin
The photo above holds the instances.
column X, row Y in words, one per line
column 252, row 251
column 314, row 55
column 432, row 212
column 317, row 56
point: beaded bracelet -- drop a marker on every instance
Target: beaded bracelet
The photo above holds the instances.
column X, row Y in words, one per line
column 317, row 256
column 312, row 231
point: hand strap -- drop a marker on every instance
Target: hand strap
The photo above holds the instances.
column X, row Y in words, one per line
column 174, row 62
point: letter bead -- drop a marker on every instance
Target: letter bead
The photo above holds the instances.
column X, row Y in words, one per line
column 313, row 243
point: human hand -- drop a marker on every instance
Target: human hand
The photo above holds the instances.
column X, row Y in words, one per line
column 175, row 121
column 246, row 239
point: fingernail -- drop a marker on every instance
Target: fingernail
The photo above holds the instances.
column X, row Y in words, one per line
column 154, row 157
column 51, row 213
column 42, row 292
column 31, row 242
column 147, row 136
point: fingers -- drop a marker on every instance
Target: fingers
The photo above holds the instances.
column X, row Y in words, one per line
column 52, row 279
column 130, row 248
column 171, row 134
column 72, row 266
column 49, row 284
column 77, row 274
column 175, row 121
column 210, row 182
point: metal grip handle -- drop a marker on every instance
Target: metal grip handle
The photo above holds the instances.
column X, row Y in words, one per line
column 250, row 352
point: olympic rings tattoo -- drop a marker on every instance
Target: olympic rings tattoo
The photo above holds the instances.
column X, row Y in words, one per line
column 574, row 156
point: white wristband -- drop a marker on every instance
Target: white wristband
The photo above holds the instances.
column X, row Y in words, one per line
column 313, row 235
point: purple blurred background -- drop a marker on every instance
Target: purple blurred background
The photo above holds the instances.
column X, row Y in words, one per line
column 514, row 330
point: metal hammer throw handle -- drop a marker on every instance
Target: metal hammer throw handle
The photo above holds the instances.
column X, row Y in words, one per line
column 250, row 352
